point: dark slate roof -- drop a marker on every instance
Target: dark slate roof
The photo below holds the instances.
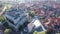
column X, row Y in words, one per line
column 14, row 13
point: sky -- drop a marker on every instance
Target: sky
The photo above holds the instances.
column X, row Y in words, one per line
column 26, row 0
column 23, row 0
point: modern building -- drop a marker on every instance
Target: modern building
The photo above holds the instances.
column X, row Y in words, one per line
column 16, row 17
column 35, row 25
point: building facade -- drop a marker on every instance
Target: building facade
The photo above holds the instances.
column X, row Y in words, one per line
column 35, row 25
column 16, row 17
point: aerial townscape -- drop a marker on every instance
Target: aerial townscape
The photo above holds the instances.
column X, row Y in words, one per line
column 29, row 17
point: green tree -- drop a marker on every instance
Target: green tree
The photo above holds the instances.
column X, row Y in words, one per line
column 35, row 32
column 39, row 32
column 7, row 31
column 9, row 7
column 5, row 24
column 32, row 13
column 1, row 18
column 50, row 31
column 21, row 28
column 0, row 9
column 1, row 5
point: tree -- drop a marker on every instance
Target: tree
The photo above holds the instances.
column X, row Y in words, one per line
column 50, row 31
column 7, row 31
column 35, row 32
column 0, row 9
column 1, row 5
column 1, row 18
column 6, row 24
column 9, row 7
column 39, row 32
column 32, row 13
column 21, row 28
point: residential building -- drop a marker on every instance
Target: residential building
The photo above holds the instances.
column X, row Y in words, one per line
column 16, row 17
column 35, row 25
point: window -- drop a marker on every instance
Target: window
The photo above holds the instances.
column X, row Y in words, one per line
column 22, row 17
column 10, row 20
column 16, row 16
column 39, row 29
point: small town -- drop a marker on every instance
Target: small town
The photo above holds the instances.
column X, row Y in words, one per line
column 29, row 16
